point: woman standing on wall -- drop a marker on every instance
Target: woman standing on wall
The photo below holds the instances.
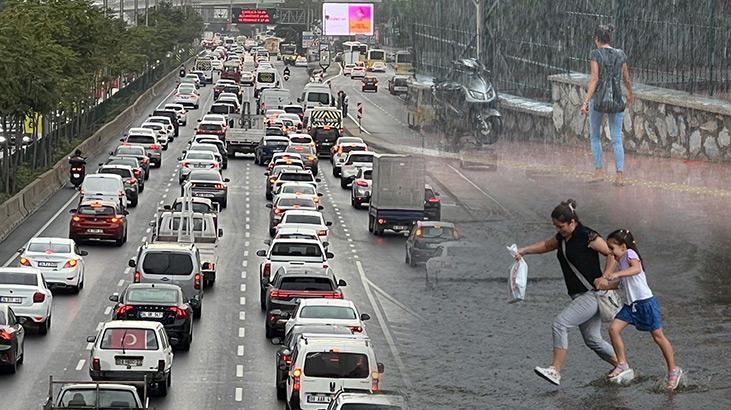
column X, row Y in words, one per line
column 604, row 96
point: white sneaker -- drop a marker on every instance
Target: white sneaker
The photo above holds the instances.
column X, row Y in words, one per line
column 624, row 377
column 549, row 373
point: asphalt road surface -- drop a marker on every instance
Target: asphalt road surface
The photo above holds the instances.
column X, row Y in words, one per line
column 447, row 342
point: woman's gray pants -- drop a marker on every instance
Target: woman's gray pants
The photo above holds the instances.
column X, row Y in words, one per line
column 583, row 311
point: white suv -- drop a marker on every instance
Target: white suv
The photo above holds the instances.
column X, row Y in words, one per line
column 320, row 311
column 354, row 161
column 325, row 364
column 131, row 350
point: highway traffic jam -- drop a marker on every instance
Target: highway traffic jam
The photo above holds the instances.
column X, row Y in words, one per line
column 249, row 134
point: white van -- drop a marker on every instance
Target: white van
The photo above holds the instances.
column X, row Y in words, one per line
column 272, row 98
column 316, row 95
column 104, row 187
column 324, row 364
column 265, row 78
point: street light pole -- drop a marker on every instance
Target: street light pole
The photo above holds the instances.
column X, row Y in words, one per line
column 478, row 25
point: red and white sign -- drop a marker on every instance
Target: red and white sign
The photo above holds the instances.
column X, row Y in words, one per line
column 359, row 110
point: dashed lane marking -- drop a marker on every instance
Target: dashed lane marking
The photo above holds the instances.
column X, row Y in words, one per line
column 243, row 275
column 89, row 346
column 99, row 326
column 244, row 263
column 243, row 287
column 107, row 310
column 242, row 315
column 242, row 300
column 242, row 332
column 144, row 239
column 240, row 350
column 80, row 365
column 121, row 282
column 239, row 394
column 239, row 370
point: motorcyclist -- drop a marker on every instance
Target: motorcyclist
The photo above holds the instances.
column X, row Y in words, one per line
column 182, row 71
column 286, row 71
column 77, row 160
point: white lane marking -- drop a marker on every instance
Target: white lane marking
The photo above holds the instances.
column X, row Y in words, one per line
column 46, row 225
column 246, row 234
column 246, row 243
column 347, row 234
column 127, row 270
column 345, row 229
column 355, row 257
column 242, row 300
column 242, row 332
column 144, row 239
column 164, row 195
column 395, row 301
column 107, row 310
column 89, row 346
column 242, row 315
column 121, row 282
column 246, row 254
column 353, row 250
column 148, row 230
column 248, row 219
column 247, row 226
column 243, row 274
column 239, row 370
column 80, row 365
column 240, row 350
column 382, row 323
column 99, row 326
column 243, row 287
column 239, row 395
column 245, row 263
column 162, row 202
column 167, row 190
column 173, row 174
column 171, row 179
column 480, row 189
column 350, row 239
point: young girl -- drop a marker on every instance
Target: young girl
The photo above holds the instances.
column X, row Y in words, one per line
column 640, row 307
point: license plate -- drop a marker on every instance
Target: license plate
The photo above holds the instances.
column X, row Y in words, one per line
column 318, row 399
column 151, row 315
column 77, row 175
column 128, row 361
column 94, row 230
column 10, row 299
column 200, row 166
column 46, row 264
column 204, row 194
column 431, row 245
column 399, row 227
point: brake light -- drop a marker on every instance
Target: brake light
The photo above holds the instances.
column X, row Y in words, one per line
column 179, row 313
column 96, row 364
column 155, row 146
column 375, row 378
column 356, row 329
column 381, row 221
column 311, row 157
column 5, row 335
column 24, row 262
column 132, row 181
column 361, row 183
column 267, row 271
column 287, row 359
column 39, row 297
column 214, row 165
column 197, row 281
column 433, row 200
column 322, row 232
column 334, row 295
column 220, row 186
column 137, row 276
column 145, row 160
column 71, row 263
column 137, row 172
column 184, row 164
column 296, row 374
column 117, row 218
column 123, row 310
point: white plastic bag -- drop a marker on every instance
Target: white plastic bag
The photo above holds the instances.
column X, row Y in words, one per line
column 518, row 276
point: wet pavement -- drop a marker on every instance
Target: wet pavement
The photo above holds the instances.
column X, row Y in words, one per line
column 474, row 350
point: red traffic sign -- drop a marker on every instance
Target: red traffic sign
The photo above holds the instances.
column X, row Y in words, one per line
column 359, row 109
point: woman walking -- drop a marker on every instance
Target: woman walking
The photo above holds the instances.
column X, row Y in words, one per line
column 577, row 248
column 604, row 96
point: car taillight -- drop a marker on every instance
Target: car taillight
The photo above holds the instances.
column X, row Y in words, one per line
column 5, row 335
column 145, row 160
column 272, row 180
column 184, row 164
column 361, row 183
column 123, row 310
column 375, row 378
column 296, row 374
column 220, row 186
column 161, row 365
column 197, row 281
column 39, row 297
column 433, row 199
column 322, row 232
column 267, row 271
column 117, row 218
column 137, row 172
column 96, row 364
column 287, row 359
column 179, row 313
column 137, row 276
column 155, row 146
column 278, row 211
column 381, row 221
column 356, row 329
column 132, row 181
column 24, row 262
column 334, row 295
column 311, row 157
column 214, row 165
column 71, row 263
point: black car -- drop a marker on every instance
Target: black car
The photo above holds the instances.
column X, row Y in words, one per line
column 12, row 339
column 209, row 184
column 267, row 147
column 131, row 162
column 283, row 358
column 286, row 202
column 157, row 302
column 370, row 83
column 294, row 283
column 173, row 118
column 424, row 238
column 432, row 204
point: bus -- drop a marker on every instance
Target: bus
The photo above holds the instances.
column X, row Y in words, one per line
column 354, row 51
column 375, row 55
column 404, row 63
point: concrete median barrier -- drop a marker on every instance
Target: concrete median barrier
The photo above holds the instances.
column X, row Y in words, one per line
column 23, row 204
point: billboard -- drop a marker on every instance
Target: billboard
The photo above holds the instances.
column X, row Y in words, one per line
column 347, row 19
column 252, row 16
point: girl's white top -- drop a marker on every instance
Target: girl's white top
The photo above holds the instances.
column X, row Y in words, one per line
column 633, row 287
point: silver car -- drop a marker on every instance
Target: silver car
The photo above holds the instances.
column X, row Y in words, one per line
column 196, row 160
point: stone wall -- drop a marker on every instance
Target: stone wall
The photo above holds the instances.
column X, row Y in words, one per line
column 526, row 120
column 662, row 122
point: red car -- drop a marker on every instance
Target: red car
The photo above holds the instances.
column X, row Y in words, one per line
column 370, row 83
column 95, row 219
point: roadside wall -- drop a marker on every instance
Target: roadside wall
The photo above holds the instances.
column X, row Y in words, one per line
column 14, row 211
column 526, row 120
column 662, row 122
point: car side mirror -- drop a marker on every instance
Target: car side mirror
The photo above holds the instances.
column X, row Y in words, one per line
column 320, row 207
column 220, row 232
column 267, row 241
column 268, row 206
column 91, row 339
column 261, row 252
column 121, row 139
column 174, row 341
column 299, row 100
column 317, row 180
column 126, row 212
column 436, row 193
column 266, row 173
column 342, row 283
column 319, row 194
column 131, row 263
column 180, row 158
column 83, row 253
column 151, row 223
column 365, row 316
column 285, row 315
column 111, row 152
column 101, row 163
column 167, row 207
column 329, row 255
column 381, row 368
column 20, row 250
column 226, row 180
column 114, row 297
column 73, row 211
column 328, row 223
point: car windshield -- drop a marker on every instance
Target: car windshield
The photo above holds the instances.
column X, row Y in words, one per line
column 327, row 312
column 298, row 189
column 348, row 148
column 291, row 176
column 293, row 110
column 197, row 224
column 296, row 249
column 152, row 295
column 444, row 232
column 167, row 263
column 296, row 203
column 129, row 339
column 49, row 247
column 231, row 89
column 152, row 126
column 97, row 210
column 205, row 176
column 124, row 173
column 18, row 278
column 220, row 109
column 186, row 91
column 301, row 149
column 108, row 398
column 322, row 98
column 210, row 127
column 302, row 219
column 197, row 207
column 368, row 174
column 306, row 283
column 360, row 158
column 336, row 365
column 130, row 162
column 265, row 77
column 137, row 151
column 200, row 155
column 276, row 143
column 92, row 185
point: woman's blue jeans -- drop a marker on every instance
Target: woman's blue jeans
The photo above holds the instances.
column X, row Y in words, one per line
column 615, row 131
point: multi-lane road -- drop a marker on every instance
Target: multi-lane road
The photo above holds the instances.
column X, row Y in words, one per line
column 454, row 343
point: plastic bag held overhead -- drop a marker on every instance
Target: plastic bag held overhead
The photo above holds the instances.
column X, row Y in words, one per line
column 518, row 276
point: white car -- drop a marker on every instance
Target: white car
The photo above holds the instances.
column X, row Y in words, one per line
column 187, row 96
column 217, row 64
column 358, row 72
column 196, row 160
column 300, row 61
column 298, row 189
column 130, row 350
column 60, row 260
column 354, row 160
column 180, row 111
column 312, row 219
column 26, row 292
column 338, row 312
column 348, row 69
column 378, row 67
column 215, row 118
column 338, row 158
column 298, row 232
column 162, row 133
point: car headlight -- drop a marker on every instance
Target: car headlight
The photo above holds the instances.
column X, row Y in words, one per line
column 477, row 95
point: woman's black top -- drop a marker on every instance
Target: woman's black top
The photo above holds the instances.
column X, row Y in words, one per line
column 585, row 259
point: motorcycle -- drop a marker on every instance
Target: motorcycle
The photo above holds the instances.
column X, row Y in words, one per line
column 77, row 172
column 286, row 77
